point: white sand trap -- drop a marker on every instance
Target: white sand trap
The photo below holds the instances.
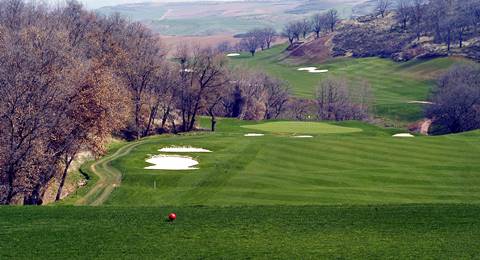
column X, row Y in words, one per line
column 307, row 68
column 253, row 135
column 404, row 135
column 318, row 71
column 184, row 149
column 421, row 102
column 171, row 162
column 302, row 136
column 312, row 70
column 233, row 54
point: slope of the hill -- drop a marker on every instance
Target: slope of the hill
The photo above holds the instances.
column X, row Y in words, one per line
column 394, row 84
column 374, row 36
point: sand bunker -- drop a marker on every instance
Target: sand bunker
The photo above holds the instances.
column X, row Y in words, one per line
column 171, row 162
column 233, row 54
column 253, row 135
column 312, row 70
column 183, row 149
column 302, row 136
column 421, row 102
column 404, row 135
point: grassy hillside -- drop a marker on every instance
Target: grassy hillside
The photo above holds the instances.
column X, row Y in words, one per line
column 280, row 232
column 394, row 84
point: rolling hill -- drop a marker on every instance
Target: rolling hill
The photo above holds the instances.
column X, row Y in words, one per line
column 224, row 17
column 394, row 84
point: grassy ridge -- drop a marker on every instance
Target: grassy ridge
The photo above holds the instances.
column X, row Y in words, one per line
column 354, row 232
column 368, row 167
column 394, row 84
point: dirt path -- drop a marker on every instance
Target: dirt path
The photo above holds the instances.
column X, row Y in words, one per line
column 109, row 177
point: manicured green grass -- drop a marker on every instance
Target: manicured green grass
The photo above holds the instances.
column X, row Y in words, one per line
column 302, row 128
column 263, row 232
column 367, row 167
column 355, row 195
column 394, row 84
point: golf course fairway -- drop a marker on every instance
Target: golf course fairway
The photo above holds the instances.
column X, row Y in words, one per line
column 394, row 84
column 351, row 191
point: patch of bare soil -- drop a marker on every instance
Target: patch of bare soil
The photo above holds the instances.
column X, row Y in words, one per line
column 313, row 51
column 425, row 126
column 422, row 127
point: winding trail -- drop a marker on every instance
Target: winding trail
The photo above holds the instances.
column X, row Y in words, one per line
column 109, row 177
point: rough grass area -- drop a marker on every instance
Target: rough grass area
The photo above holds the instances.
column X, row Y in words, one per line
column 394, row 84
column 302, row 128
column 272, row 232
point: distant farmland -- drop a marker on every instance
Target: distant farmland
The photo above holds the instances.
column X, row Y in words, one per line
column 230, row 17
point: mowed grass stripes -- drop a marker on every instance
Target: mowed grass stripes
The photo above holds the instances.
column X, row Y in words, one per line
column 393, row 84
column 254, row 232
column 364, row 167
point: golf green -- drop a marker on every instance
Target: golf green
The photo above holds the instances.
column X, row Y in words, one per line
column 302, row 128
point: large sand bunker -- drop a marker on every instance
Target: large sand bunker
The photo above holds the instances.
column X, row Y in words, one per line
column 171, row 162
column 302, row 136
column 233, row 54
column 312, row 70
column 184, row 149
column 403, row 135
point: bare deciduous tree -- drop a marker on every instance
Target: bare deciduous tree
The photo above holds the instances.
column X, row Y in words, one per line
column 269, row 36
column 417, row 16
column 335, row 100
column 319, row 23
column 332, row 19
column 382, row 7
column 404, row 12
column 289, row 32
column 204, row 72
column 251, row 42
column 139, row 68
column 456, row 100
column 305, row 28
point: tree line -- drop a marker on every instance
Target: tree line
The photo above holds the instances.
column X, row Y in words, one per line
column 455, row 100
column 321, row 22
column 447, row 21
column 262, row 38
column 70, row 78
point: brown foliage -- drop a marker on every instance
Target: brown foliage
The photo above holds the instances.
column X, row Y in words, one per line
column 59, row 93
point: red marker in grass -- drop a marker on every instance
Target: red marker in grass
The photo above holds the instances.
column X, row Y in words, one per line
column 172, row 217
